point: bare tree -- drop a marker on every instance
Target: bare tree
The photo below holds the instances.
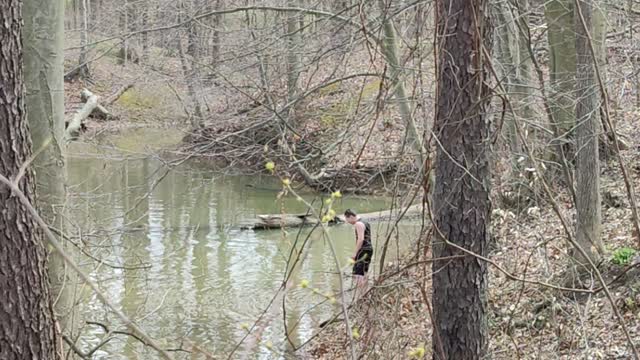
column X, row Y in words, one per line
column 293, row 49
column 390, row 51
column 83, row 67
column 26, row 316
column 43, row 38
column 587, row 115
column 461, row 195
column 562, row 55
column 190, row 74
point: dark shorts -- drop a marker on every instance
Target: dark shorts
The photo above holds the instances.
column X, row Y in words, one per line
column 362, row 262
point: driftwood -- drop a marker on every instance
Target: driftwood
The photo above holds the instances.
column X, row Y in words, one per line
column 75, row 124
column 100, row 111
column 91, row 107
column 277, row 221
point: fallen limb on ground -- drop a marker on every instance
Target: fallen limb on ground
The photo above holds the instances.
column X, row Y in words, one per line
column 74, row 125
column 91, row 107
column 100, row 111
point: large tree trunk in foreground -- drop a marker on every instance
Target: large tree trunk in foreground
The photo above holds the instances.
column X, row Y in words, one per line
column 461, row 196
column 26, row 316
column 43, row 39
column 587, row 129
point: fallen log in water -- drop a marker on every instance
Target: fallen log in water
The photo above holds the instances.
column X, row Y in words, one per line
column 277, row 221
column 385, row 215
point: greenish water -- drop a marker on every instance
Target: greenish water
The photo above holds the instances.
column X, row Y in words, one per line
column 174, row 259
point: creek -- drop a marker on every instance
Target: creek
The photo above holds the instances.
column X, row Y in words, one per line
column 175, row 260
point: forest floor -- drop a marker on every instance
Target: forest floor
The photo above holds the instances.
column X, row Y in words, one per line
column 526, row 320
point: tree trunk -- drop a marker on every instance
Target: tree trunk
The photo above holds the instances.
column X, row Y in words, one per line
column 43, row 37
column 461, row 197
column 515, row 62
column 215, row 46
column 75, row 13
column 599, row 40
column 192, row 29
column 26, row 315
column 508, row 60
column 587, row 128
column 561, row 34
column 390, row 52
column 294, row 66
column 83, row 71
column 124, row 24
column 144, row 21
column 523, row 91
column 197, row 116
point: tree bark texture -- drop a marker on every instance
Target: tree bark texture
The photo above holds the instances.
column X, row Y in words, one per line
column 461, row 196
column 216, row 23
column 26, row 315
column 124, row 25
column 561, row 34
column 43, row 38
column 197, row 119
column 193, row 30
column 587, row 129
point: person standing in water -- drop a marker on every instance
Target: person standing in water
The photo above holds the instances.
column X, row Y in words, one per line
column 364, row 249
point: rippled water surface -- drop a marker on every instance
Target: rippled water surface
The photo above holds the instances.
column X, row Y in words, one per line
column 174, row 259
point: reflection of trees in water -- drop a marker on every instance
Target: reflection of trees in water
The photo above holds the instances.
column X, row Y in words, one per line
column 135, row 204
column 222, row 283
column 214, row 278
column 199, row 267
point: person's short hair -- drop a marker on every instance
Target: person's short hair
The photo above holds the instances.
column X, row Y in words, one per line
column 349, row 212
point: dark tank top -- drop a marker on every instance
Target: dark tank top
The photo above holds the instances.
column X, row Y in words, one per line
column 366, row 245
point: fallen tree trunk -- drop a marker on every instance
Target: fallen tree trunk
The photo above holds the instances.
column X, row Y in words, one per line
column 277, row 221
column 74, row 125
column 385, row 215
column 100, row 111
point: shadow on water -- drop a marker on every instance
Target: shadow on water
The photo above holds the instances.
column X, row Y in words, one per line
column 179, row 266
